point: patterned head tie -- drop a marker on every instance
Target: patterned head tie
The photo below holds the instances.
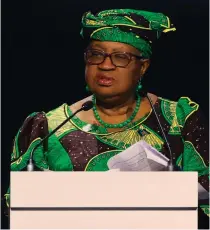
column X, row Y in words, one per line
column 133, row 27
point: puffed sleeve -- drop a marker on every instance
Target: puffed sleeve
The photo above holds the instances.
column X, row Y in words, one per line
column 33, row 129
column 195, row 137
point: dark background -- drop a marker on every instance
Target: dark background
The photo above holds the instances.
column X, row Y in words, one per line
column 42, row 58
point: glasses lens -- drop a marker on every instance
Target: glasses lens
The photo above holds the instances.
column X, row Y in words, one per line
column 94, row 56
column 120, row 59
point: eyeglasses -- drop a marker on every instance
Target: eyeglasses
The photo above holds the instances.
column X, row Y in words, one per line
column 118, row 59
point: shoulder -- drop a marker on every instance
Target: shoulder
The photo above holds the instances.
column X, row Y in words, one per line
column 35, row 118
column 56, row 116
column 77, row 105
column 39, row 119
column 66, row 109
column 178, row 110
column 85, row 116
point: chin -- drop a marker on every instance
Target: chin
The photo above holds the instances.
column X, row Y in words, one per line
column 105, row 92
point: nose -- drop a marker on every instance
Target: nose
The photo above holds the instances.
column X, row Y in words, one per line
column 107, row 64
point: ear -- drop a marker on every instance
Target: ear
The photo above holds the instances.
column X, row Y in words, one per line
column 145, row 63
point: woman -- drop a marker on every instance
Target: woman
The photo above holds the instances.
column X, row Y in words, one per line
column 117, row 57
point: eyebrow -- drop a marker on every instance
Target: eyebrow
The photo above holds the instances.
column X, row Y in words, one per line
column 101, row 47
column 119, row 49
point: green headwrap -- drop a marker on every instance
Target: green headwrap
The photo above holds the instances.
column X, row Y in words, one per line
column 134, row 27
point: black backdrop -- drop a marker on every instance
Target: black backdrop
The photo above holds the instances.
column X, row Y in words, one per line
column 42, row 57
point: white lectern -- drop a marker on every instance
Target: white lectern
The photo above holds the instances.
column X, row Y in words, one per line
column 104, row 200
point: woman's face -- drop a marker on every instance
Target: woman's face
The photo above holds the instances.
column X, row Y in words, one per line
column 105, row 79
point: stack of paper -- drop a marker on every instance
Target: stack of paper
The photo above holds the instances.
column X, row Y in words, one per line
column 139, row 157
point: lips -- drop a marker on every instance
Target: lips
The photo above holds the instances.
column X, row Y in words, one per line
column 104, row 80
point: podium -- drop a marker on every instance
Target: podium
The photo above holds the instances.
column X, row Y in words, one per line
column 104, row 200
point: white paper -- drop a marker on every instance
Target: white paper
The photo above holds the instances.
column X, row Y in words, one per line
column 139, row 157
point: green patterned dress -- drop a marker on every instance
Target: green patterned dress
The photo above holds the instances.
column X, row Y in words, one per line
column 79, row 146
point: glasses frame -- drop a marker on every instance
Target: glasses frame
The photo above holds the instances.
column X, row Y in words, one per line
column 105, row 55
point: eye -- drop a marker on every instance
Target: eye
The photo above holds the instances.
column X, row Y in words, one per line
column 121, row 56
column 95, row 53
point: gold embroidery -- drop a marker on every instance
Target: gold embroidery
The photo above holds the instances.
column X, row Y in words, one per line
column 92, row 22
column 14, row 152
column 169, row 109
column 152, row 139
column 129, row 137
column 98, row 156
column 103, row 28
column 17, row 162
column 175, row 128
column 56, row 117
column 130, row 20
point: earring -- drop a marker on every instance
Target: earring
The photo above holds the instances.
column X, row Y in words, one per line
column 87, row 88
column 139, row 86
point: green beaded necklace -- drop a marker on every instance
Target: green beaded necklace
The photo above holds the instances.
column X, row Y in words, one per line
column 120, row 125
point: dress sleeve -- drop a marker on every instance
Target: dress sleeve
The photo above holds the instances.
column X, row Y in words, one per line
column 33, row 129
column 195, row 136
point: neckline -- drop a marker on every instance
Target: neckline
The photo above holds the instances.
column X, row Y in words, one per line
column 100, row 130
